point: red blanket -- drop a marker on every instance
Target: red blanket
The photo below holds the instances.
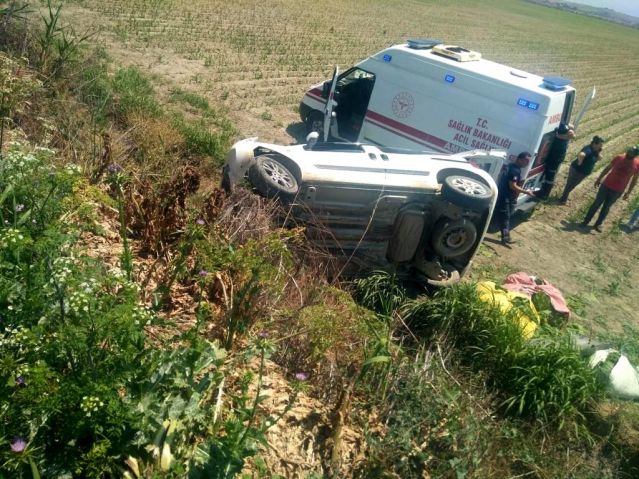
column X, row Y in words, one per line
column 526, row 284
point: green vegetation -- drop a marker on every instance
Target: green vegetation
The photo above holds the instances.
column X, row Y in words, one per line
column 196, row 101
column 134, row 93
column 467, row 392
column 541, row 378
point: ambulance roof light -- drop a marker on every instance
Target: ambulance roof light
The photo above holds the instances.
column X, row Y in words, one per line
column 423, row 44
column 556, row 83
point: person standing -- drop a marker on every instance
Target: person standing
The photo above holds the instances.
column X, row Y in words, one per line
column 509, row 189
column 582, row 166
column 563, row 134
column 612, row 183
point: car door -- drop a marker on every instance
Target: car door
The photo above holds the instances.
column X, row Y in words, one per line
column 330, row 104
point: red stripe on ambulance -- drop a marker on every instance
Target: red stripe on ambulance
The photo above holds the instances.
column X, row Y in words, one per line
column 404, row 130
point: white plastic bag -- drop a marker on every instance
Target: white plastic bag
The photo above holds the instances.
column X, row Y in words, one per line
column 624, row 379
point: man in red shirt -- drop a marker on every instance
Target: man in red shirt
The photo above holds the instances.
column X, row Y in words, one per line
column 617, row 175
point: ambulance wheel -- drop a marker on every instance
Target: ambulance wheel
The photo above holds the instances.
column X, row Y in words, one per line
column 453, row 237
column 315, row 122
column 466, row 192
column 272, row 179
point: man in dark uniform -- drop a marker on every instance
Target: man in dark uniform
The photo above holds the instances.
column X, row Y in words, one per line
column 509, row 189
column 563, row 134
column 582, row 166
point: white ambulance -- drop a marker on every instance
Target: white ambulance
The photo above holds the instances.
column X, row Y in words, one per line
column 430, row 96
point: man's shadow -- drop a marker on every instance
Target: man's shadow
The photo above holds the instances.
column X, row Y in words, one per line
column 516, row 219
column 573, row 226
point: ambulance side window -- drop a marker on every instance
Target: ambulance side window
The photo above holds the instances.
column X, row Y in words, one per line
column 353, row 75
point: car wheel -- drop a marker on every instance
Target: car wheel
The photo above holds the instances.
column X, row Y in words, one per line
column 315, row 122
column 466, row 192
column 453, row 237
column 272, row 179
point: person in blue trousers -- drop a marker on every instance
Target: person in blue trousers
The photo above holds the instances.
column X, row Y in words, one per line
column 509, row 189
column 633, row 223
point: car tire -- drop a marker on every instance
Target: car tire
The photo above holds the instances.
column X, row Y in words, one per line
column 453, row 238
column 466, row 192
column 315, row 122
column 272, row 179
column 226, row 180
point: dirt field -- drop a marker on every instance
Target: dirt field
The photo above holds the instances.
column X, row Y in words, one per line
column 254, row 60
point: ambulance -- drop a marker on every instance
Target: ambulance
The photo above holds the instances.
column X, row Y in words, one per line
column 426, row 95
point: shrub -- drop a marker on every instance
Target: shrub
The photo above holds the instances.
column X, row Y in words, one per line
column 155, row 211
column 245, row 279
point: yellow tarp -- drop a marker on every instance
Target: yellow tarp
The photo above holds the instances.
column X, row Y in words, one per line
column 507, row 300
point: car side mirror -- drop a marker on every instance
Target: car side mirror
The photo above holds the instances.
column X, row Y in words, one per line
column 311, row 139
column 326, row 88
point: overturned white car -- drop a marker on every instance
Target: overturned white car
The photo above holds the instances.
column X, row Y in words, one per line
column 422, row 215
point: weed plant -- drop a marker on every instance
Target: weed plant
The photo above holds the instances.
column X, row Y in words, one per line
column 17, row 84
column 381, row 292
column 72, row 330
column 246, row 278
column 200, row 140
column 438, row 420
column 193, row 99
